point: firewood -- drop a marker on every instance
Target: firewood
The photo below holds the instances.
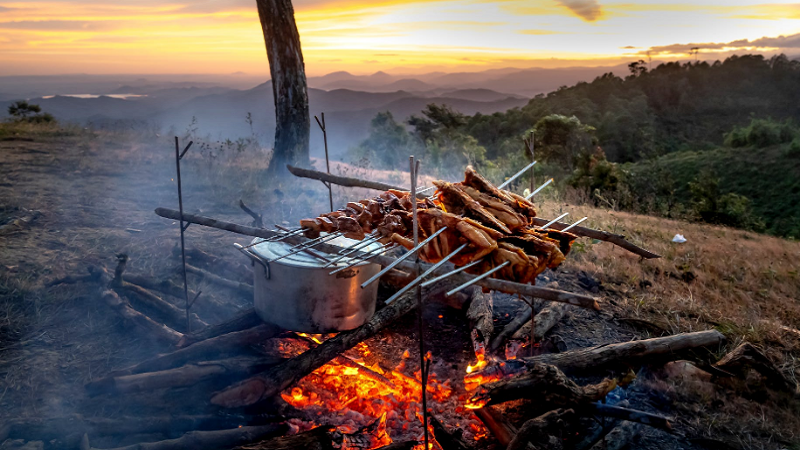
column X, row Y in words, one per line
column 211, row 440
column 448, row 441
column 157, row 330
column 320, row 438
column 544, row 320
column 544, row 383
column 553, row 295
column 345, row 181
column 273, row 381
column 599, row 431
column 511, row 328
column 242, row 287
column 540, row 431
column 226, row 344
column 168, row 287
column 187, row 375
column 243, row 320
column 632, row 352
column 481, row 317
column 503, row 431
column 747, row 356
column 408, row 445
column 630, row 415
column 619, row 437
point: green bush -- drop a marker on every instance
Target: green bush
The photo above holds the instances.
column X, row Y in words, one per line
column 22, row 111
column 729, row 209
column 761, row 133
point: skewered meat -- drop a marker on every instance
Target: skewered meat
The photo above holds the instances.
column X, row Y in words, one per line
column 456, row 201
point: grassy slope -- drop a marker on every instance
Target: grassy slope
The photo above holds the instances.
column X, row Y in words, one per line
column 769, row 177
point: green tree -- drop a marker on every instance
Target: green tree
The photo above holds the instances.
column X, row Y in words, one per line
column 388, row 144
column 441, row 132
column 23, row 111
column 562, row 140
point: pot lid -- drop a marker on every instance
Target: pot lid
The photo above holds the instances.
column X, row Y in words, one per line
column 275, row 249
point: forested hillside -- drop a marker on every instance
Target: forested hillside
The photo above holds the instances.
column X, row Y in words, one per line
column 611, row 138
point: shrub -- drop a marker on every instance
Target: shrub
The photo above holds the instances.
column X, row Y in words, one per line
column 730, row 209
column 761, row 133
column 22, row 111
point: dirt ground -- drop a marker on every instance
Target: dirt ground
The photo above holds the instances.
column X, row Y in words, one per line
column 71, row 199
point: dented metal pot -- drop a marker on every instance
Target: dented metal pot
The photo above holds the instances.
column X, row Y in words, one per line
column 298, row 294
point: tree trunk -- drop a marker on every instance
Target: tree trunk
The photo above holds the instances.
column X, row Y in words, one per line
column 286, row 67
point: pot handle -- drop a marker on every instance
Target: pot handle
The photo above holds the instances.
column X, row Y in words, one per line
column 256, row 259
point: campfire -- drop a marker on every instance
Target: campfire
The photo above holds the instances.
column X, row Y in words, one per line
column 276, row 380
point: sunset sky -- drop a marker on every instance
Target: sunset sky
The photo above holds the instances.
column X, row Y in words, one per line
column 361, row 36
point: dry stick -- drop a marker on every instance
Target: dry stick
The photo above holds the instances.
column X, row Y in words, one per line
column 213, row 278
column 258, row 219
column 747, row 356
column 345, row 181
column 510, row 329
column 273, row 381
column 615, row 239
column 544, row 383
column 243, row 320
column 230, row 343
column 626, row 352
column 545, row 319
column 156, row 330
column 211, row 440
column 631, row 415
column 187, row 375
column 503, row 431
column 554, row 295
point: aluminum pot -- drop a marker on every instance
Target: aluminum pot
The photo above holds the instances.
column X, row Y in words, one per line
column 298, row 294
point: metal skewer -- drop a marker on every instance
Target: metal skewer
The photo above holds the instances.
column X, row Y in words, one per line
column 459, row 270
column 308, row 245
column 544, row 227
column 425, row 274
column 315, row 241
column 539, row 189
column 400, row 259
column 284, row 235
column 516, row 175
column 476, row 279
column 574, row 224
column 366, row 241
column 363, row 258
column 307, row 251
column 351, row 250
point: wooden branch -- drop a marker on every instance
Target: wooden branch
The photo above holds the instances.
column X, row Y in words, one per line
column 627, row 353
column 345, row 181
column 540, row 430
column 616, row 239
column 746, row 356
column 447, row 440
column 220, row 439
column 258, row 219
column 157, row 330
column 245, row 288
column 481, row 318
column 503, row 431
column 544, row 320
column 543, row 382
column 511, row 328
column 273, row 381
column 243, row 320
column 187, row 375
column 631, row 415
column 226, row 344
column 509, row 287
column 320, row 438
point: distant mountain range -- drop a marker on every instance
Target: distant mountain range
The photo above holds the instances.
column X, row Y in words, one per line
column 218, row 104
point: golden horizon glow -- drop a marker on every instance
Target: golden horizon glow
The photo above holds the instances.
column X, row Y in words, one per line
column 221, row 37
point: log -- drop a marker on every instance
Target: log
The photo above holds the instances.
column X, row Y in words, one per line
column 273, row 381
column 156, row 330
column 244, row 288
column 510, row 287
column 481, row 318
column 187, row 375
column 619, row 437
column 747, row 356
column 211, row 440
column 511, row 328
column 447, row 440
column 344, row 181
column 227, row 344
column 544, row 383
column 540, row 431
column 503, row 431
column 243, row 320
column 320, row 438
column 631, row 415
column 544, row 320
column 626, row 353
column 616, row 239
